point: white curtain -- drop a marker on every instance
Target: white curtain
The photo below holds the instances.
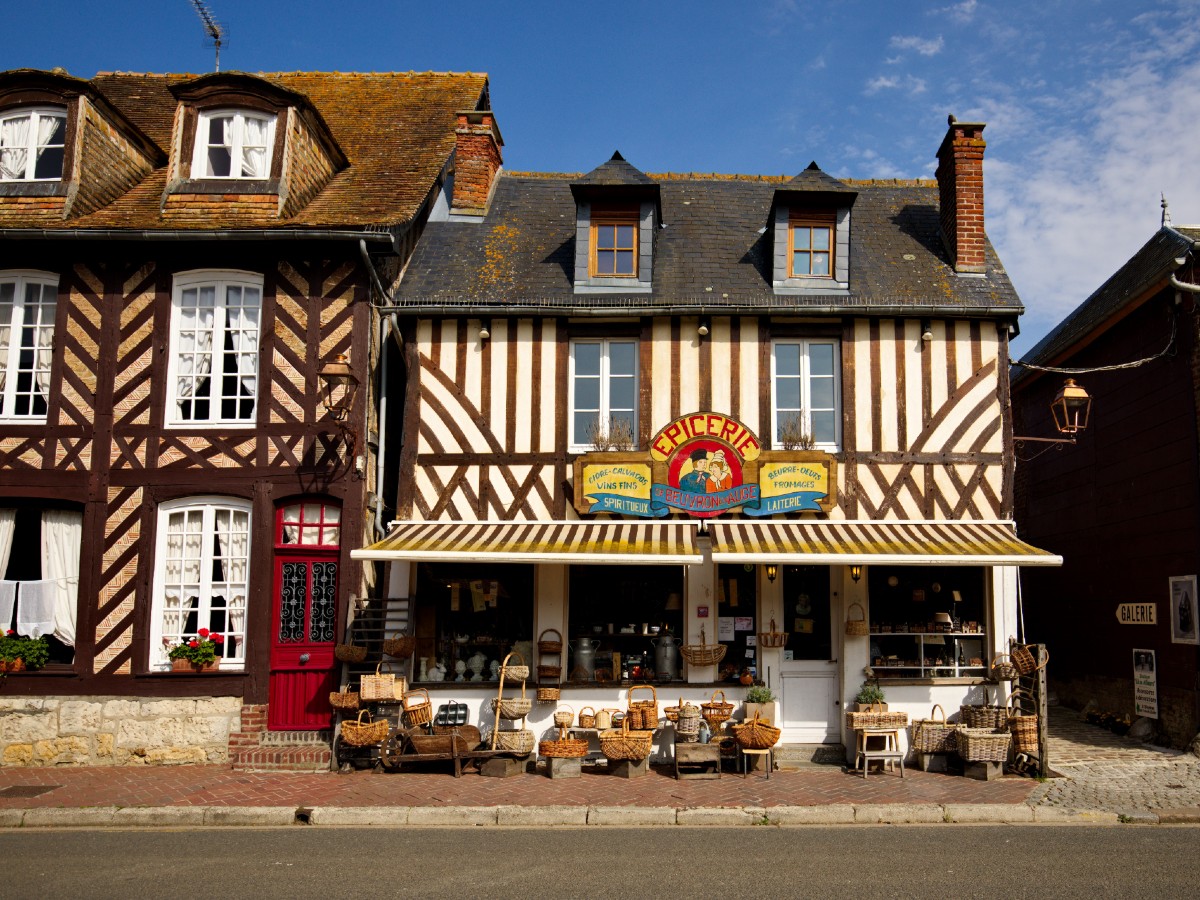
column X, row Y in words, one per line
column 8, row 602
column 233, row 541
column 172, row 621
column 62, row 533
column 7, row 306
column 47, row 125
column 195, row 341
column 43, row 335
column 14, row 139
column 35, row 608
column 254, row 147
column 8, row 525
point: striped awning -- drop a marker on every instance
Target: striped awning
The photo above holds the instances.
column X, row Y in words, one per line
column 627, row 543
column 897, row 543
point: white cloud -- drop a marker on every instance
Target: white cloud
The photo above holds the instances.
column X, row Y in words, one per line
column 909, row 84
column 958, row 12
column 923, row 46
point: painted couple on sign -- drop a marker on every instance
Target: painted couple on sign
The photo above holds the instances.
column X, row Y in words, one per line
column 710, row 473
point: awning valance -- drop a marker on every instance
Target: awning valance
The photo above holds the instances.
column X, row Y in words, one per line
column 626, row 543
column 896, row 543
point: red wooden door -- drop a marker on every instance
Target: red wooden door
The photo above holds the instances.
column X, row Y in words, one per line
column 303, row 669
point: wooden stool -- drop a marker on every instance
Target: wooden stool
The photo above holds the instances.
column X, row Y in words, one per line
column 769, row 753
column 881, row 744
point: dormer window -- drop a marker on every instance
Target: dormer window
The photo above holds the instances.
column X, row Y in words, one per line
column 33, row 144
column 614, row 244
column 810, row 254
column 233, row 143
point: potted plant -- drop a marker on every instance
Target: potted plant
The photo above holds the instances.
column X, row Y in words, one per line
column 198, row 654
column 870, row 697
column 22, row 653
column 761, row 699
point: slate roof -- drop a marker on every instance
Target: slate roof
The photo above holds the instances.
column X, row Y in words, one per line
column 714, row 253
column 395, row 128
column 1151, row 266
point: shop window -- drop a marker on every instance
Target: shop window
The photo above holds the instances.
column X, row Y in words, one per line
column 469, row 617
column 735, row 624
column 603, row 394
column 233, row 143
column 621, row 612
column 202, row 576
column 33, row 144
column 213, row 370
column 39, row 565
column 928, row 622
column 806, row 613
column 806, row 395
column 27, row 309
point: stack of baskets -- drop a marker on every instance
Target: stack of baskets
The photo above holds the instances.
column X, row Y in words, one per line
column 757, row 734
column 687, row 723
column 643, row 714
column 703, row 654
column 716, row 711
column 622, row 743
column 549, row 673
column 934, row 735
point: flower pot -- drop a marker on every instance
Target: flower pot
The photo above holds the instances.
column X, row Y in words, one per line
column 870, row 707
column 186, row 665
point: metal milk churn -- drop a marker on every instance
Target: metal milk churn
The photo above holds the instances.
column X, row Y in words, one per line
column 585, row 656
column 666, row 656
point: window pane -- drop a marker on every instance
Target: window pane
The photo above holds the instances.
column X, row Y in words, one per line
column 787, row 393
column 219, row 162
column 621, row 394
column 787, row 359
column 624, row 262
column 604, row 236
column 585, row 427
column 820, row 359
column 622, row 357
column 49, row 163
column 802, row 264
column 587, row 393
column 605, row 264
column 800, row 238
column 820, row 264
column 823, row 427
column 822, row 393
column 587, row 358
column 820, row 238
column 625, row 235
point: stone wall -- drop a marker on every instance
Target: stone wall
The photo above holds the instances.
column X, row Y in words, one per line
column 116, row 731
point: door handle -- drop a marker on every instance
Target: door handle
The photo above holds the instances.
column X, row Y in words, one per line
column 304, row 657
column 833, row 662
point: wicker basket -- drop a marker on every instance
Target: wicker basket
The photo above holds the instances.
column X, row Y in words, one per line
column 983, row 745
column 521, row 741
column 687, row 727
column 381, row 686
column 672, row 712
column 643, row 713
column 1025, row 658
column 548, row 646
column 874, row 718
column 418, row 709
column 516, row 671
column 548, row 694
column 1024, row 727
column 934, row 735
column 364, row 734
column 401, row 647
column 564, row 717
column 587, row 719
column 347, row 700
column 757, row 734
column 622, row 743
column 703, row 654
column 512, row 707
column 716, row 711
column 350, row 652
column 986, row 717
column 772, row 639
column 549, row 673
column 563, row 747
column 1003, row 668
column 856, row 627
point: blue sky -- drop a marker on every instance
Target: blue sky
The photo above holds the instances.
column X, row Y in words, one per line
column 1093, row 106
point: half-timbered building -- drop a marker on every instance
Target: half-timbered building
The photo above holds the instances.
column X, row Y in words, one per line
column 646, row 411
column 180, row 257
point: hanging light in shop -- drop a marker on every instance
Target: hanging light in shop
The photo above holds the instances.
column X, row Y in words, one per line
column 772, row 571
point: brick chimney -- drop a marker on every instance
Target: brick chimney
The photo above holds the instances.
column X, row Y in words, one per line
column 476, row 161
column 960, row 192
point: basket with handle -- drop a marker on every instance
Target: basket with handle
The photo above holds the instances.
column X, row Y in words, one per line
column 1024, row 726
column 381, row 686
column 875, row 718
column 623, row 743
column 757, row 734
column 704, row 653
column 521, row 741
column 344, row 700
column 716, row 711
column 564, row 716
column 672, row 712
column 1024, row 657
column 856, row 627
column 587, row 717
column 934, row 735
column 548, row 694
column 400, row 647
column 350, row 652
column 1003, row 668
column 772, row 639
column 547, row 645
column 643, row 713
column 418, row 708
column 513, row 707
column 983, row 744
column 357, row 733
column 517, row 671
column 687, row 725
column 563, row 747
column 984, row 715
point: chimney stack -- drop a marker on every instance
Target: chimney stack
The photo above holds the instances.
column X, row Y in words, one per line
column 476, row 161
column 960, row 192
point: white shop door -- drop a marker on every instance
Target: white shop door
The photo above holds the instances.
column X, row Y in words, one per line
column 809, row 680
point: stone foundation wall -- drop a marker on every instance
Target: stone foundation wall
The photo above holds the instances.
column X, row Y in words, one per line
column 116, row 731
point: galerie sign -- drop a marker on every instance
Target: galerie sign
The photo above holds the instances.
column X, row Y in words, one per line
column 704, row 464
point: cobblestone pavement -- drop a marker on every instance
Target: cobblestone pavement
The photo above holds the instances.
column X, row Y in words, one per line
column 1106, row 772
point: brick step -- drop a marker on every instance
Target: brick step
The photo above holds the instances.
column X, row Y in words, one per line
column 307, row 757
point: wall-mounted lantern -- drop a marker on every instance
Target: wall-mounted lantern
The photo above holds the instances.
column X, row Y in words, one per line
column 338, row 387
column 772, row 571
column 1070, row 408
column 856, row 572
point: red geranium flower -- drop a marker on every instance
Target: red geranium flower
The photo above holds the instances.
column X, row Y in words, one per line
column 217, row 639
column 203, row 632
column 193, row 643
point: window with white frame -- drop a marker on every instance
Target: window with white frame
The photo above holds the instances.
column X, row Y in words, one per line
column 33, row 144
column 603, row 393
column 27, row 306
column 213, row 370
column 202, row 576
column 806, row 395
column 233, row 143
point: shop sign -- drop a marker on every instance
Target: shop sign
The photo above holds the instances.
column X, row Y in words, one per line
column 704, row 464
column 1145, row 684
column 1137, row 613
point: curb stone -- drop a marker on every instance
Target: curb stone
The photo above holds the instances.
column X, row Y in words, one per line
column 833, row 814
column 155, row 816
column 11, row 818
column 719, row 815
column 898, row 814
column 452, row 815
column 359, row 815
column 250, row 816
column 68, row 817
column 627, row 816
column 541, row 815
column 987, row 813
column 1060, row 816
column 1186, row 816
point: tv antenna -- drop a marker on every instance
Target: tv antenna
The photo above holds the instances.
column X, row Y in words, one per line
column 214, row 29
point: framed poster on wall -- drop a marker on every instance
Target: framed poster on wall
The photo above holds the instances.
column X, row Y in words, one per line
column 1184, row 629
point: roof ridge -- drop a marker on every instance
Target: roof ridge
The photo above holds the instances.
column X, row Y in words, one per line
column 767, row 179
column 295, row 72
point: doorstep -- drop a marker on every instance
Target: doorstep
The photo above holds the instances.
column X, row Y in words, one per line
column 809, row 756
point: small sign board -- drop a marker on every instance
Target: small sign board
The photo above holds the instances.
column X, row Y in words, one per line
column 1145, row 684
column 1137, row 613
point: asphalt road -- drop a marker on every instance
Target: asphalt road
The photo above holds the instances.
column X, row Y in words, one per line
column 943, row 861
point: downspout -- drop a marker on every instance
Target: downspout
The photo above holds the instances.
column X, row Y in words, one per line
column 388, row 326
